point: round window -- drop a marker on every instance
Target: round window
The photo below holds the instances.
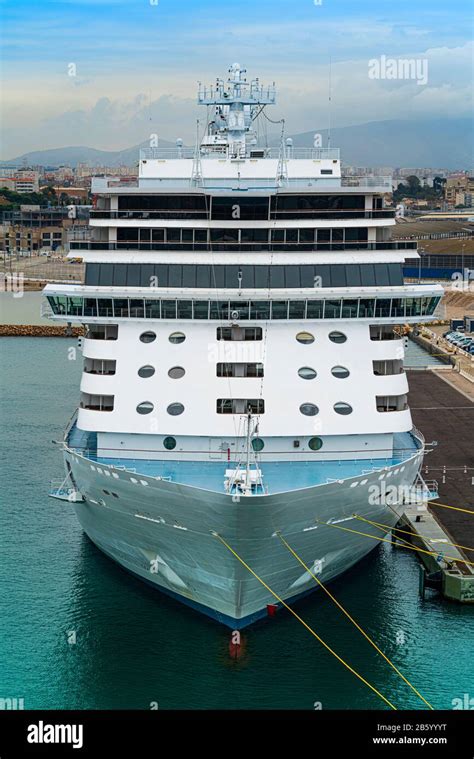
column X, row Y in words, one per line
column 176, row 372
column 146, row 371
column 307, row 373
column 145, row 408
column 258, row 444
column 315, row 443
column 175, row 409
column 177, row 337
column 148, row 337
column 305, row 337
column 337, row 337
column 309, row 409
column 342, row 408
column 340, row 372
column 169, row 443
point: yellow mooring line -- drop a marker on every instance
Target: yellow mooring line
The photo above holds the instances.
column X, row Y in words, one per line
column 382, row 526
column 454, row 508
column 310, row 629
column 367, row 637
column 387, row 540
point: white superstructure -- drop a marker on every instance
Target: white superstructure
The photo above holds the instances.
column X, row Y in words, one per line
column 239, row 297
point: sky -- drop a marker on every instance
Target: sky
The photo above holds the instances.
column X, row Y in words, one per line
column 108, row 73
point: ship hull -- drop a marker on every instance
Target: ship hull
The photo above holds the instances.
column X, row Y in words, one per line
column 166, row 534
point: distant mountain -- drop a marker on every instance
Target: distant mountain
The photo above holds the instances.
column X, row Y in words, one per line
column 71, row 156
column 438, row 143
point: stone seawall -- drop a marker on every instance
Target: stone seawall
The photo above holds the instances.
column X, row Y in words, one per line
column 27, row 330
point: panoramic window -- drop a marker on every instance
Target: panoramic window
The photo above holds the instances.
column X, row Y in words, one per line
column 342, row 408
column 148, row 337
column 146, row 371
column 145, row 408
column 307, row 373
column 340, row 372
column 176, row 372
column 175, row 409
column 306, row 338
column 177, row 337
column 315, row 443
column 169, row 443
column 309, row 409
column 337, row 337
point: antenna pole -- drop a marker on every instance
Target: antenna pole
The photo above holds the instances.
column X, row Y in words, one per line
column 330, row 101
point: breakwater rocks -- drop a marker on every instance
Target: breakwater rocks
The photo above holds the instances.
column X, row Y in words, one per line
column 28, row 330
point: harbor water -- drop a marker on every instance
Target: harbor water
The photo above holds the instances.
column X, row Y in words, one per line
column 77, row 632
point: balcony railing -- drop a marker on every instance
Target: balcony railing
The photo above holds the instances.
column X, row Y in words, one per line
column 144, row 215
column 220, row 151
column 242, row 247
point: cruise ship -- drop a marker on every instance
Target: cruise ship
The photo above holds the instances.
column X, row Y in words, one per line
column 244, row 311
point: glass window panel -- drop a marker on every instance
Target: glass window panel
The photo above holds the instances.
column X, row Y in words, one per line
column 203, row 276
column 162, row 272
column 291, row 235
column 332, row 309
column 366, row 308
column 315, row 309
column 200, row 235
column 338, row 276
column 278, row 235
column 90, row 307
column 280, row 309
column 277, row 276
column 105, row 307
column 232, row 276
column 185, row 309
column 168, row 309
column 297, row 309
column 153, row 309
column 189, row 276
column 382, row 307
column 349, row 309
column 292, row 276
column 248, row 276
column 137, row 308
column 175, row 276
column 218, row 277
column 262, row 277
column 201, row 309
column 260, row 309
column 219, row 310
column 120, row 275
column 187, row 235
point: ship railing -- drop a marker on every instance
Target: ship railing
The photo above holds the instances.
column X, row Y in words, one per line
column 218, row 151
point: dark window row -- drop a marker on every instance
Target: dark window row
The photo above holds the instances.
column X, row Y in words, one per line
column 245, row 207
column 258, row 277
column 237, row 311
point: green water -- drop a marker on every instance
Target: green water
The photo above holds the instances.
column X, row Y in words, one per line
column 134, row 646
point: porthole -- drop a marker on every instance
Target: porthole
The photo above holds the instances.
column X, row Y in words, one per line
column 337, row 337
column 340, row 372
column 309, row 409
column 343, row 408
column 175, row 409
column 258, row 444
column 176, row 372
column 306, row 338
column 169, row 443
column 177, row 337
column 146, row 371
column 307, row 373
column 315, row 443
column 145, row 408
column 148, row 337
